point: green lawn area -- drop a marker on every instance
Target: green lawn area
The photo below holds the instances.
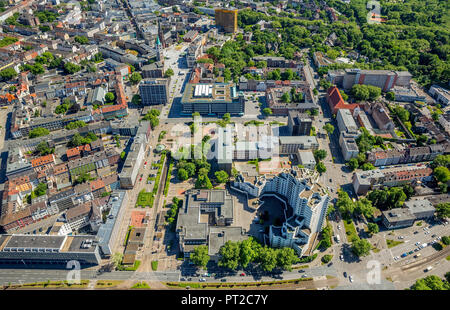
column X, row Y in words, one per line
column 154, row 265
column 144, row 199
column 142, row 284
column 350, row 230
column 448, row 257
column 393, row 243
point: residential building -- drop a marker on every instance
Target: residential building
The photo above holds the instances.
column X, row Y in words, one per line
column 375, row 179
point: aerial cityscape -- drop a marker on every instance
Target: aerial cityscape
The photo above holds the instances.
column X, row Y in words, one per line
column 205, row 145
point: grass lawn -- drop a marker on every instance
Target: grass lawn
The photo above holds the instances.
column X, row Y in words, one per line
column 142, row 284
column 448, row 257
column 350, row 230
column 154, row 265
column 107, row 283
column 375, row 249
column 144, row 199
column 393, row 243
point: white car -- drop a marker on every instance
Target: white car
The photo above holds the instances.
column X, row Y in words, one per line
column 350, row 278
column 341, row 257
column 339, row 227
column 417, row 243
column 202, row 280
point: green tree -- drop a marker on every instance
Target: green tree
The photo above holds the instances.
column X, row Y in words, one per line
column 81, row 39
column 221, row 176
column 229, row 255
column 267, row 111
column 364, row 207
column 286, row 97
column 443, row 210
column 352, row 164
column 8, row 74
column 182, row 174
column 268, row 258
column 38, row 132
column 43, row 148
column 190, row 168
column 367, row 166
column 373, row 228
column 247, row 252
column 442, row 174
column 203, row 182
column 71, row 68
column 135, row 78
column 390, row 96
column 116, row 259
column 328, row 128
column 200, row 256
column 360, row 92
column 320, row 167
column 168, row 73
column 285, row 258
column 432, row 282
column 320, row 154
column 327, row 258
column 345, row 205
column 226, row 117
column 110, row 97
column 361, row 247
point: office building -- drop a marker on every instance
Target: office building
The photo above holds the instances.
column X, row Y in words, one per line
column 299, row 124
column 226, row 18
column 212, row 99
column 48, row 250
column 154, row 91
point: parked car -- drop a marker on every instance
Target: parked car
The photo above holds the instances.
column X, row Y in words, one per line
column 350, row 278
column 242, row 274
column 202, row 280
column 345, row 274
column 341, row 257
column 223, row 280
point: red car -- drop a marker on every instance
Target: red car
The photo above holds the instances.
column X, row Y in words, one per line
column 145, row 163
column 242, row 274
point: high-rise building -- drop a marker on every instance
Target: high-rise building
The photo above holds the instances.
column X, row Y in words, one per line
column 154, row 91
column 299, row 124
column 227, row 19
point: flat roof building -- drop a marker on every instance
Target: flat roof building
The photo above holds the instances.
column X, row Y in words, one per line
column 212, row 99
column 227, row 19
column 154, row 91
column 48, row 249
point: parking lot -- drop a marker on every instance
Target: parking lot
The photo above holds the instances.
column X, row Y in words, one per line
column 416, row 239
